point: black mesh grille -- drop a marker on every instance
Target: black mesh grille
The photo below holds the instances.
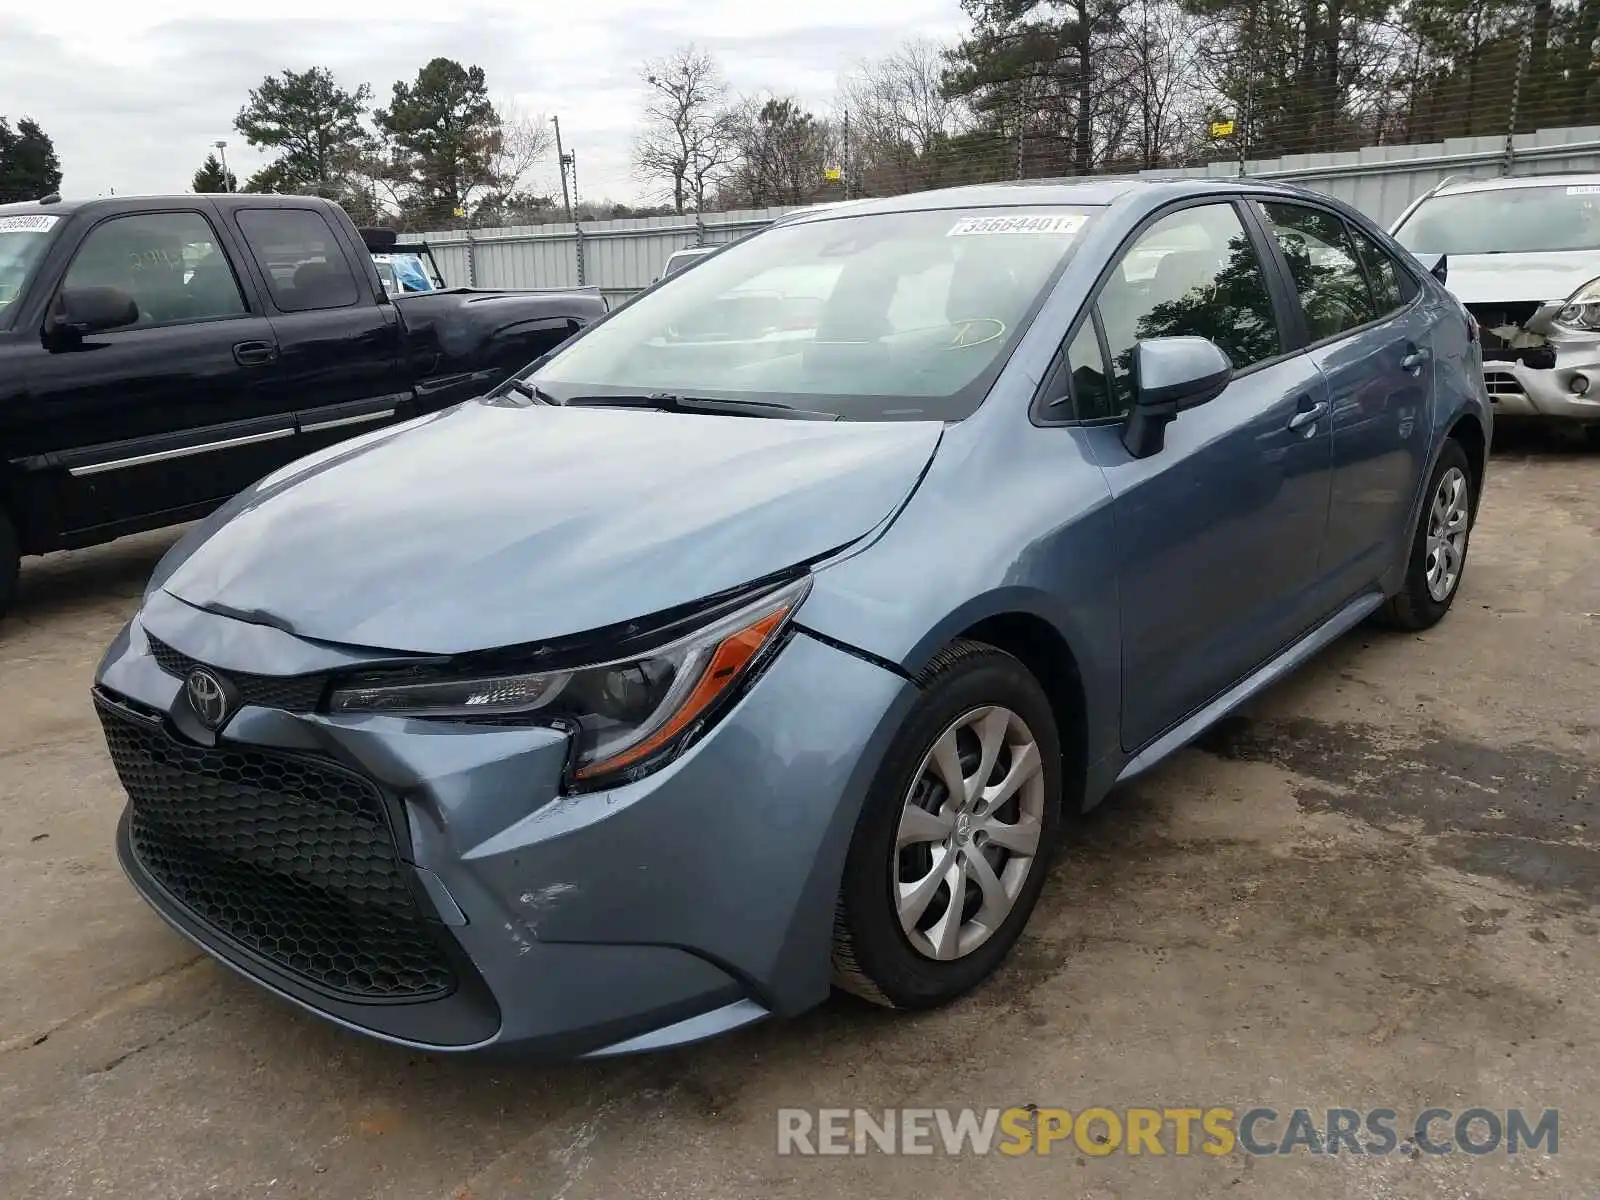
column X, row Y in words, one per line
column 285, row 855
column 292, row 693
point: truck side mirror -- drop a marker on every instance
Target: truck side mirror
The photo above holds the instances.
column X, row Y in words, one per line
column 84, row 310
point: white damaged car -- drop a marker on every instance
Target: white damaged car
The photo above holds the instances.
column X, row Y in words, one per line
column 1523, row 257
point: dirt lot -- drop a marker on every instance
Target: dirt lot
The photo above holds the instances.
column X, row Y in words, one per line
column 1378, row 888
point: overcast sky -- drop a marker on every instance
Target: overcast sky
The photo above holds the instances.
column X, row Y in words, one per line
column 134, row 93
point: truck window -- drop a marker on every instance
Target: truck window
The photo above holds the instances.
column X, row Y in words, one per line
column 298, row 252
column 168, row 262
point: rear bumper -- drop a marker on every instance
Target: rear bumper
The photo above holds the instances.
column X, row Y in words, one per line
column 687, row 903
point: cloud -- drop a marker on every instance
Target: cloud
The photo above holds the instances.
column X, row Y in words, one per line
column 133, row 99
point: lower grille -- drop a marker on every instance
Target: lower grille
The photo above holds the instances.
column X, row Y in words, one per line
column 292, row 693
column 287, row 856
column 1500, row 383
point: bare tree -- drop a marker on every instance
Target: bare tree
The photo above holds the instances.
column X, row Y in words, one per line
column 686, row 138
column 1156, row 104
column 526, row 138
column 899, row 117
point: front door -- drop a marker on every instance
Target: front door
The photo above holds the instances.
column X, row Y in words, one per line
column 163, row 417
column 1219, row 532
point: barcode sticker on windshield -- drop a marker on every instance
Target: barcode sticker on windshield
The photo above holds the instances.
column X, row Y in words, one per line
column 36, row 223
column 1584, row 189
column 1060, row 224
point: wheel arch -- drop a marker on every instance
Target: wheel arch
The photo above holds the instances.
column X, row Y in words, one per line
column 1083, row 689
column 1040, row 647
column 1468, row 430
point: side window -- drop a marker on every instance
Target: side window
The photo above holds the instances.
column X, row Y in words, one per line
column 1332, row 286
column 169, row 263
column 1193, row 272
column 1091, row 387
column 1389, row 284
column 301, row 258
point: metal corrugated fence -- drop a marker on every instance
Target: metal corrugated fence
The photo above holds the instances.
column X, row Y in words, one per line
column 621, row 257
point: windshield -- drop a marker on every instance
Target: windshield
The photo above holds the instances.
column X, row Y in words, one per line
column 883, row 317
column 23, row 241
column 1506, row 221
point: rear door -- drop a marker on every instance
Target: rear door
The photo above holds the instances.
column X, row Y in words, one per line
column 1373, row 341
column 1218, row 533
column 163, row 417
column 339, row 337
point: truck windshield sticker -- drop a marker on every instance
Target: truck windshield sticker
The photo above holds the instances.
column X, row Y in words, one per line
column 1059, row 224
column 32, row 223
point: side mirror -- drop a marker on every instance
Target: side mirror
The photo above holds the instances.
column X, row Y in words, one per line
column 85, row 310
column 1170, row 375
column 1437, row 265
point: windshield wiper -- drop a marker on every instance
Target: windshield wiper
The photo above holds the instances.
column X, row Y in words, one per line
column 672, row 402
column 530, row 391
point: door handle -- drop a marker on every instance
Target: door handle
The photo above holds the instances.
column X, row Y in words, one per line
column 1413, row 360
column 253, row 354
column 1308, row 417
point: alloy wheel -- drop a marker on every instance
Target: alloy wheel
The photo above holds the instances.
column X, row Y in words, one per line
column 1448, row 520
column 969, row 833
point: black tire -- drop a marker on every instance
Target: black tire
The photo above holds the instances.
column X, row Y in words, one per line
column 10, row 563
column 1414, row 607
column 1591, row 436
column 872, row 955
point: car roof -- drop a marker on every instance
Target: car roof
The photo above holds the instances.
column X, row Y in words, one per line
column 1453, row 187
column 1086, row 191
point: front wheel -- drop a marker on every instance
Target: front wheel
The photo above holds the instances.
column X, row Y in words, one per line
column 951, row 848
column 1439, row 546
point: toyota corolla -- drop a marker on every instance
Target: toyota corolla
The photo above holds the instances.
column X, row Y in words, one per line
column 761, row 638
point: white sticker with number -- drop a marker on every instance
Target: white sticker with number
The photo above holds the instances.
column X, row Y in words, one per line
column 1057, row 224
column 1584, row 189
column 33, row 223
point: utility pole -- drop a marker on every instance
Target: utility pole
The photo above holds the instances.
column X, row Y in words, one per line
column 1508, row 161
column 1249, row 86
column 844, row 163
column 222, row 152
column 562, row 161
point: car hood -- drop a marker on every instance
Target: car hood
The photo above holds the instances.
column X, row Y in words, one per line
column 1516, row 278
column 493, row 524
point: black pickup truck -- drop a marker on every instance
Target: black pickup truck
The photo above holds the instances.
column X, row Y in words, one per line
column 158, row 355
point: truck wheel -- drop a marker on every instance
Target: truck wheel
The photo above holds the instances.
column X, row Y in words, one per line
column 10, row 563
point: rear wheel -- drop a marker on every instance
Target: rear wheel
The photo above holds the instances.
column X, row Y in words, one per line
column 951, row 849
column 1439, row 546
column 10, row 563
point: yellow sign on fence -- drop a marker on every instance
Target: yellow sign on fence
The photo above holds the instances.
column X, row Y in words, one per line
column 832, row 174
column 1221, row 129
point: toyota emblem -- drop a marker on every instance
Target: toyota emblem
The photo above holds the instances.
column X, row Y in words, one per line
column 208, row 696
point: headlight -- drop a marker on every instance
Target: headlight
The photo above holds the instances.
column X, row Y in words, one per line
column 626, row 715
column 1582, row 310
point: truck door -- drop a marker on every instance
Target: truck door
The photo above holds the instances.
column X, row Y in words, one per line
column 338, row 336
column 156, row 420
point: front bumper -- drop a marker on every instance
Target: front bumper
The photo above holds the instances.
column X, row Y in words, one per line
column 1518, row 389
column 456, row 900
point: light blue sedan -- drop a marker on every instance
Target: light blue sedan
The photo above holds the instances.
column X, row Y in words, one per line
column 758, row 639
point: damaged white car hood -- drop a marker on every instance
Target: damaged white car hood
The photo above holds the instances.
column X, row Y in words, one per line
column 1512, row 278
